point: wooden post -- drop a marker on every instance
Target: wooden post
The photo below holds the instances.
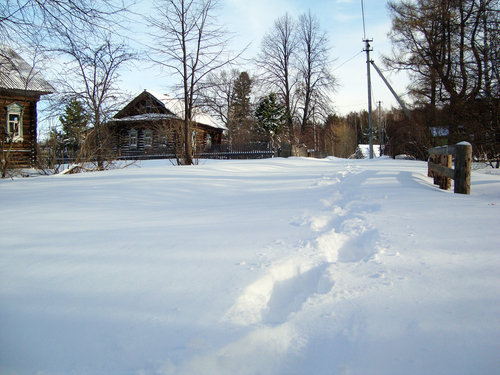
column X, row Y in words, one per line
column 463, row 164
column 430, row 172
column 445, row 182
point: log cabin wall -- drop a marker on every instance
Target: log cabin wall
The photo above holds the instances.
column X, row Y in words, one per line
column 23, row 153
column 157, row 124
column 165, row 137
column 20, row 84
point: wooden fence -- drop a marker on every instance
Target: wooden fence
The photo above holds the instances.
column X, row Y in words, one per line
column 260, row 150
column 440, row 162
column 256, row 150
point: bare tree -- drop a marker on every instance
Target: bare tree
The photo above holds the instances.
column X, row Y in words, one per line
column 276, row 61
column 189, row 42
column 216, row 93
column 447, row 48
column 35, row 22
column 316, row 79
column 41, row 29
column 90, row 76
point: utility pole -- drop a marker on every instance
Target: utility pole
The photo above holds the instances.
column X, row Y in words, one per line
column 370, row 125
column 380, row 127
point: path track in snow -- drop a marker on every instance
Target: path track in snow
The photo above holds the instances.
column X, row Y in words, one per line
column 304, row 285
column 340, row 234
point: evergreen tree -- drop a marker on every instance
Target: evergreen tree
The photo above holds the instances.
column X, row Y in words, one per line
column 271, row 116
column 74, row 125
column 240, row 110
column 241, row 96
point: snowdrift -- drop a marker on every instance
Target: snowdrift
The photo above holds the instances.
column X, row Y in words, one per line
column 278, row 266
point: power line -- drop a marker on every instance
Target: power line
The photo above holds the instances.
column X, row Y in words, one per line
column 350, row 105
column 345, row 62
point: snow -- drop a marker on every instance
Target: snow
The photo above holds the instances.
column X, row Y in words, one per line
column 145, row 117
column 365, row 149
column 276, row 266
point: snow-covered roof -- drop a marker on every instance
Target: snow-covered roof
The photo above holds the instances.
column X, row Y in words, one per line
column 145, row 117
column 176, row 106
column 17, row 74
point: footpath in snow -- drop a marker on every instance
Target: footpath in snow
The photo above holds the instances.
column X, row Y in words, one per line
column 278, row 266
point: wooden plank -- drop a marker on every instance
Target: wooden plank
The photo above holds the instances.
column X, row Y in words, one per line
column 443, row 171
column 443, row 150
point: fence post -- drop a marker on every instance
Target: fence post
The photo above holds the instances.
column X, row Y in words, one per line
column 463, row 164
column 432, row 160
column 445, row 182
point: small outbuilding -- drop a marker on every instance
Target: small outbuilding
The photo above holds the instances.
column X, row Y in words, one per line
column 20, row 90
column 151, row 124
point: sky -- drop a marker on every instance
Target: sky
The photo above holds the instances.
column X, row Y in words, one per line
column 343, row 22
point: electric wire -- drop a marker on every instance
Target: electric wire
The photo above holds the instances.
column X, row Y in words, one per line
column 345, row 62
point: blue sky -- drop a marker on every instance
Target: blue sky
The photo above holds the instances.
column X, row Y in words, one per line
column 342, row 19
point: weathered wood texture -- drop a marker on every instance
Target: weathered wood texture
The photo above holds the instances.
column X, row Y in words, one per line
column 260, row 150
column 463, row 166
column 439, row 170
column 442, row 150
column 157, row 130
column 440, row 162
column 165, row 137
column 23, row 153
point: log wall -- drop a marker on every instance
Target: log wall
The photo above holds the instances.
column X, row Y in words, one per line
column 22, row 154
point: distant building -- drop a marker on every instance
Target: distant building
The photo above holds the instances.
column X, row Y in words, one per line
column 151, row 124
column 439, row 135
column 20, row 90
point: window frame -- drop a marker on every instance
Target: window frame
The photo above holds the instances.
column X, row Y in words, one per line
column 133, row 135
column 162, row 141
column 14, row 109
column 148, row 138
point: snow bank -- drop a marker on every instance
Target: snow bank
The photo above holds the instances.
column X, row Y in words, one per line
column 275, row 266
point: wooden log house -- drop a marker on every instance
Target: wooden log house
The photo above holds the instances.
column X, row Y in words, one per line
column 152, row 125
column 20, row 90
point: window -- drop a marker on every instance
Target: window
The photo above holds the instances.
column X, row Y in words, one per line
column 163, row 141
column 132, row 138
column 148, row 138
column 15, row 122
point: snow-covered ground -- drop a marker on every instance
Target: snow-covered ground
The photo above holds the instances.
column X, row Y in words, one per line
column 278, row 266
column 365, row 149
